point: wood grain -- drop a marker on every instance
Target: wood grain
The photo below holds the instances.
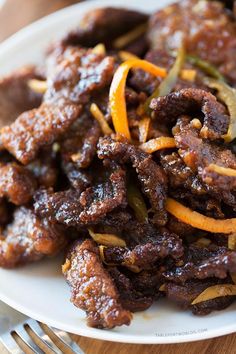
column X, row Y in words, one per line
column 14, row 15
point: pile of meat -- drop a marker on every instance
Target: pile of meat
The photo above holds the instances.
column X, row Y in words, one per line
column 62, row 180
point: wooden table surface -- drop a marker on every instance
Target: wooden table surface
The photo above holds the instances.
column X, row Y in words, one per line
column 15, row 14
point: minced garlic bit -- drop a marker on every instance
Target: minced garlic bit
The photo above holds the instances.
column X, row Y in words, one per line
column 188, row 74
column 195, row 123
column 99, row 49
column 66, row 266
column 76, row 157
column 38, row 86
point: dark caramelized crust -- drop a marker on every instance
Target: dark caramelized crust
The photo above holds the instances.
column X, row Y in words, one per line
column 29, row 239
column 92, row 287
column 146, row 255
column 17, row 184
column 44, row 169
column 16, row 96
column 151, row 176
column 62, row 102
column 103, row 25
column 101, row 199
column 208, row 30
column 198, row 154
column 192, row 102
column 73, row 208
column 184, row 295
column 130, row 298
column 89, row 147
column 62, row 207
column 203, row 263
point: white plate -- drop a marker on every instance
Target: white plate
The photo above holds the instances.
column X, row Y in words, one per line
column 39, row 290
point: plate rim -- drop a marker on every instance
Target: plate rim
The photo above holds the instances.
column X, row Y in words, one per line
column 107, row 335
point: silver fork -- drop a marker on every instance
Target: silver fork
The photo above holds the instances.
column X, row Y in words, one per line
column 13, row 323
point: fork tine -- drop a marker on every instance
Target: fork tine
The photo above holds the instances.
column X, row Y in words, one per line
column 67, row 341
column 38, row 331
column 27, row 339
column 10, row 344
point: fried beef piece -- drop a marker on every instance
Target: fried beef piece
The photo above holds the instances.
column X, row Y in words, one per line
column 61, row 207
column 75, row 207
column 130, row 298
column 77, row 74
column 202, row 263
column 92, row 287
column 148, row 283
column 16, row 96
column 44, row 169
column 78, row 179
column 29, row 239
column 87, row 152
column 184, row 294
column 72, row 140
column 208, row 29
column 17, row 184
column 103, row 25
column 146, row 255
column 99, row 200
column 180, row 175
column 213, row 178
column 150, row 175
column 198, row 154
column 192, row 101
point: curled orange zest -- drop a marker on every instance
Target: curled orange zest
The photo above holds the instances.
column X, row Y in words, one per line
column 117, row 92
column 198, row 220
column 158, row 144
column 224, row 171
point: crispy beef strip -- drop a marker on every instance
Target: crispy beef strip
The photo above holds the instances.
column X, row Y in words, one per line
column 89, row 147
column 104, row 25
column 101, row 199
column 16, row 96
column 146, row 255
column 72, row 140
column 202, row 263
column 213, row 178
column 62, row 207
column 208, row 30
column 79, row 145
column 75, row 207
column 29, row 239
column 92, row 288
column 192, row 101
column 45, row 168
column 78, row 179
column 198, row 154
column 180, row 175
column 77, row 73
column 130, row 298
column 184, row 294
column 150, row 175
column 17, row 184
column 148, row 282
